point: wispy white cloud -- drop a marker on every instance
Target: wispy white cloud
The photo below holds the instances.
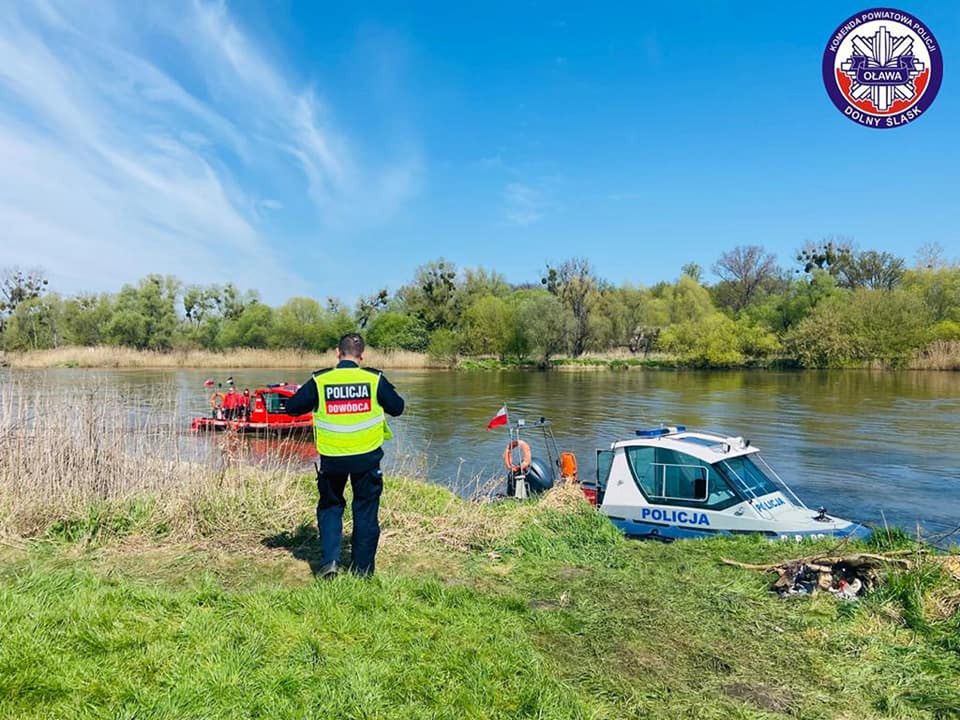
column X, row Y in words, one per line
column 523, row 205
column 136, row 140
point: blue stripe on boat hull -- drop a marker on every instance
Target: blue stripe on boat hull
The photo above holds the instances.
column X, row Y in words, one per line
column 661, row 531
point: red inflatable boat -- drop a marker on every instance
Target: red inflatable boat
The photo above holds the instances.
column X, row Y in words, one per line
column 263, row 410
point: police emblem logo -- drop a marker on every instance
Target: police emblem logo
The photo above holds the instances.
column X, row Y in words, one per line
column 882, row 68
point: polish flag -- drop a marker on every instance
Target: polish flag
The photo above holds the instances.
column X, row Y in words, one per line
column 499, row 419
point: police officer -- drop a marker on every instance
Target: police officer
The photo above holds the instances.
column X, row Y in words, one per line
column 348, row 404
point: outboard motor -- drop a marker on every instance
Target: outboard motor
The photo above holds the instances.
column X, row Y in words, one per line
column 539, row 477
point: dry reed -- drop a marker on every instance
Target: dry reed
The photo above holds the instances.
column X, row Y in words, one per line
column 120, row 357
column 90, row 464
column 86, row 460
column 941, row 355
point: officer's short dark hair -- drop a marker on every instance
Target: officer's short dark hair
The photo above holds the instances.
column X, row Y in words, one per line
column 351, row 345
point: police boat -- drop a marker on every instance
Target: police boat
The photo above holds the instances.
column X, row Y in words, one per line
column 668, row 483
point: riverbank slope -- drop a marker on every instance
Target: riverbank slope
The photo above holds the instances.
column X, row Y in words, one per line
column 538, row 610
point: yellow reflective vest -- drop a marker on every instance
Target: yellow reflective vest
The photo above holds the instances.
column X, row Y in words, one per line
column 348, row 419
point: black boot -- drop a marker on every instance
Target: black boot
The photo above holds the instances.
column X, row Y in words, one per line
column 328, row 571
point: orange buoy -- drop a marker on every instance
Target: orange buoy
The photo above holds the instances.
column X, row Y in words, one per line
column 525, row 456
column 216, row 400
column 568, row 467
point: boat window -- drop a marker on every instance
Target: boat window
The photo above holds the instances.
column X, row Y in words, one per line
column 672, row 477
column 275, row 402
column 641, row 464
column 745, row 473
column 683, row 477
column 604, row 461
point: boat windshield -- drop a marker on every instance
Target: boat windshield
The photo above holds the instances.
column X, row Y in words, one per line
column 275, row 402
column 743, row 473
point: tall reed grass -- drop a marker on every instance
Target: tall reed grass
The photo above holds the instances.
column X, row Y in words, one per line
column 93, row 464
column 88, row 462
column 120, row 357
column 941, row 355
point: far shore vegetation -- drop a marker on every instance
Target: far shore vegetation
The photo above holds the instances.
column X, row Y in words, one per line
column 937, row 356
column 832, row 305
column 136, row 583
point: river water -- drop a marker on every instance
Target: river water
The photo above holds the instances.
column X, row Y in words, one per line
column 873, row 446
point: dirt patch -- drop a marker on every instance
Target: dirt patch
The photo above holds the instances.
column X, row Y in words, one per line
column 571, row 573
column 550, row 603
column 760, row 696
column 638, row 662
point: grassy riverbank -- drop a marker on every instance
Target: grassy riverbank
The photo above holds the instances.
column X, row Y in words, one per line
column 134, row 583
column 536, row 610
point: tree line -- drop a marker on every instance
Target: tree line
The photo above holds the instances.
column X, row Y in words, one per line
column 832, row 305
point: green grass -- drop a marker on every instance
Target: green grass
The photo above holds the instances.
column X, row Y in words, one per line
column 513, row 611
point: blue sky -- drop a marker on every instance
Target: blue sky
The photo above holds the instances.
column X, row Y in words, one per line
column 328, row 149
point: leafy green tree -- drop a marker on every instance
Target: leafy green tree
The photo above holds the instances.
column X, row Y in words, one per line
column 716, row 340
column 339, row 322
column 708, row 341
column 444, row 346
column 781, row 311
column 684, row 300
column 479, row 282
column 200, row 302
column 36, row 324
column 486, row 326
column 302, row 324
column 635, row 315
column 369, row 305
column 393, row 330
column 948, row 330
column 128, row 327
column 861, row 325
column 693, row 270
column 433, row 296
column 939, row 289
column 232, row 302
column 851, row 267
column 872, row 269
column 85, row 319
column 576, row 285
column 252, row 329
column 18, row 285
column 543, row 324
column 145, row 316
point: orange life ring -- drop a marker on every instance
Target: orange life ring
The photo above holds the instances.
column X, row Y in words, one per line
column 216, row 400
column 524, row 456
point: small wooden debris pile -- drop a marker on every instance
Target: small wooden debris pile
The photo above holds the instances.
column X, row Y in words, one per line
column 848, row 577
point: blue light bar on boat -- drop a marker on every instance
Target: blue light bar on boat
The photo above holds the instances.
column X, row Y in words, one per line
column 661, row 431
